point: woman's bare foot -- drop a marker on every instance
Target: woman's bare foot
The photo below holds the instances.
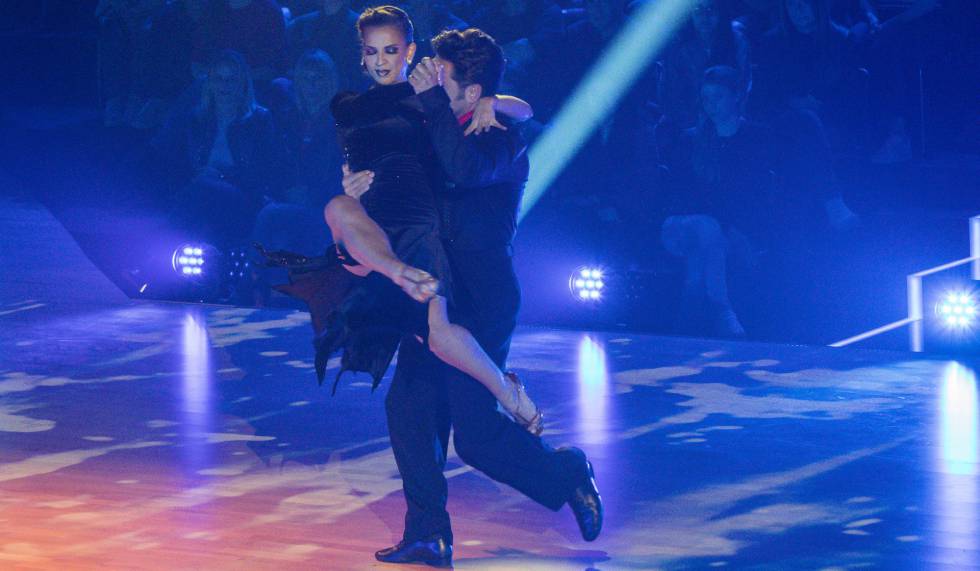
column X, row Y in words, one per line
column 522, row 408
column 418, row 284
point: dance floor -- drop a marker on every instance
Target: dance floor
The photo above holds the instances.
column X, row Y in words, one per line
column 168, row 436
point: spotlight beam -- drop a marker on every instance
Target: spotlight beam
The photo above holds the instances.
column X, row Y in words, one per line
column 629, row 55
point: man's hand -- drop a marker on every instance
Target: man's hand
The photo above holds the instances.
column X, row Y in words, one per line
column 484, row 117
column 356, row 183
column 426, row 75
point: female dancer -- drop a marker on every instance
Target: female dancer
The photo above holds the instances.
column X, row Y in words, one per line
column 393, row 231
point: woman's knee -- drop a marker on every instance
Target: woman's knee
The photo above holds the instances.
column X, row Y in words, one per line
column 339, row 207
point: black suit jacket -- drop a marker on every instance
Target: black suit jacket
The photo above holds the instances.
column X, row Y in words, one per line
column 478, row 208
column 485, row 174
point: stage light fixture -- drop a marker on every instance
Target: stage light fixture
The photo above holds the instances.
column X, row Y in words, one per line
column 188, row 260
column 957, row 310
column 586, row 284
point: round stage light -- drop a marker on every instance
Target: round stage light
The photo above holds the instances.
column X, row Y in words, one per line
column 957, row 310
column 586, row 284
column 188, row 260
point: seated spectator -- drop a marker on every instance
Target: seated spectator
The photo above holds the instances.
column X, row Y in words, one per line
column 254, row 28
column 222, row 162
column 331, row 29
column 722, row 178
column 709, row 38
column 301, row 108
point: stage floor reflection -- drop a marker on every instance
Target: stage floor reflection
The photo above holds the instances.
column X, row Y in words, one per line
column 166, row 436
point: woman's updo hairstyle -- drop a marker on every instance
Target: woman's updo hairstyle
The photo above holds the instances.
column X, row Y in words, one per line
column 381, row 16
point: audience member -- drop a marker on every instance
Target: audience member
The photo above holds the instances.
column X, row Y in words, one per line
column 331, row 29
column 709, row 38
column 721, row 174
column 301, row 108
column 221, row 163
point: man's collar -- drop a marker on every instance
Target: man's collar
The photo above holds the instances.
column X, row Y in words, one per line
column 465, row 117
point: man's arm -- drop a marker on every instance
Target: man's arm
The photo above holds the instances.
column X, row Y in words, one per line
column 468, row 161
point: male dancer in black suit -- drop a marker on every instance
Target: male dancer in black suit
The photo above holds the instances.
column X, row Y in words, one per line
column 478, row 208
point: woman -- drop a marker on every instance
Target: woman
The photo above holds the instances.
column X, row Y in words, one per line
column 394, row 231
column 225, row 158
column 301, row 109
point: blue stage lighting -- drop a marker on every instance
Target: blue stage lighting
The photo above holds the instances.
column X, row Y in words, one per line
column 189, row 260
column 957, row 310
column 628, row 56
column 586, row 284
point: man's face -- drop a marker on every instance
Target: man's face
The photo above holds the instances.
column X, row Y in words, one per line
column 458, row 101
column 719, row 103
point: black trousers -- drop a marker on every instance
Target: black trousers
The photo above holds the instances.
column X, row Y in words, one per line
column 427, row 397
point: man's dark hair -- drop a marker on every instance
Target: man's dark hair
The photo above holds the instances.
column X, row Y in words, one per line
column 476, row 58
column 381, row 16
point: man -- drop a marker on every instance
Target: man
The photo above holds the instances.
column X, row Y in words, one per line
column 722, row 172
column 478, row 211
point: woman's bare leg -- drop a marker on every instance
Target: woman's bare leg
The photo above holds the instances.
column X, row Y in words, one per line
column 456, row 346
column 351, row 226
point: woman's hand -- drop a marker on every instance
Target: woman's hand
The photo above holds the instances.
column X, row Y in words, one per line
column 426, row 75
column 484, row 117
column 356, row 183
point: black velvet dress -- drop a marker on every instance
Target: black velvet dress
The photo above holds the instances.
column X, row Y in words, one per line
column 381, row 130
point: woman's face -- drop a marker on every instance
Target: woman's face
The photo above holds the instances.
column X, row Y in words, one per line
column 227, row 85
column 386, row 54
column 801, row 15
column 315, row 85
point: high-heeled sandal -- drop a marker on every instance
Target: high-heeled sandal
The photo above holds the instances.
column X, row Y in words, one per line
column 533, row 424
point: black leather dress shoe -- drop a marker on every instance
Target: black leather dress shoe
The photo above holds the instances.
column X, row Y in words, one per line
column 587, row 506
column 434, row 551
